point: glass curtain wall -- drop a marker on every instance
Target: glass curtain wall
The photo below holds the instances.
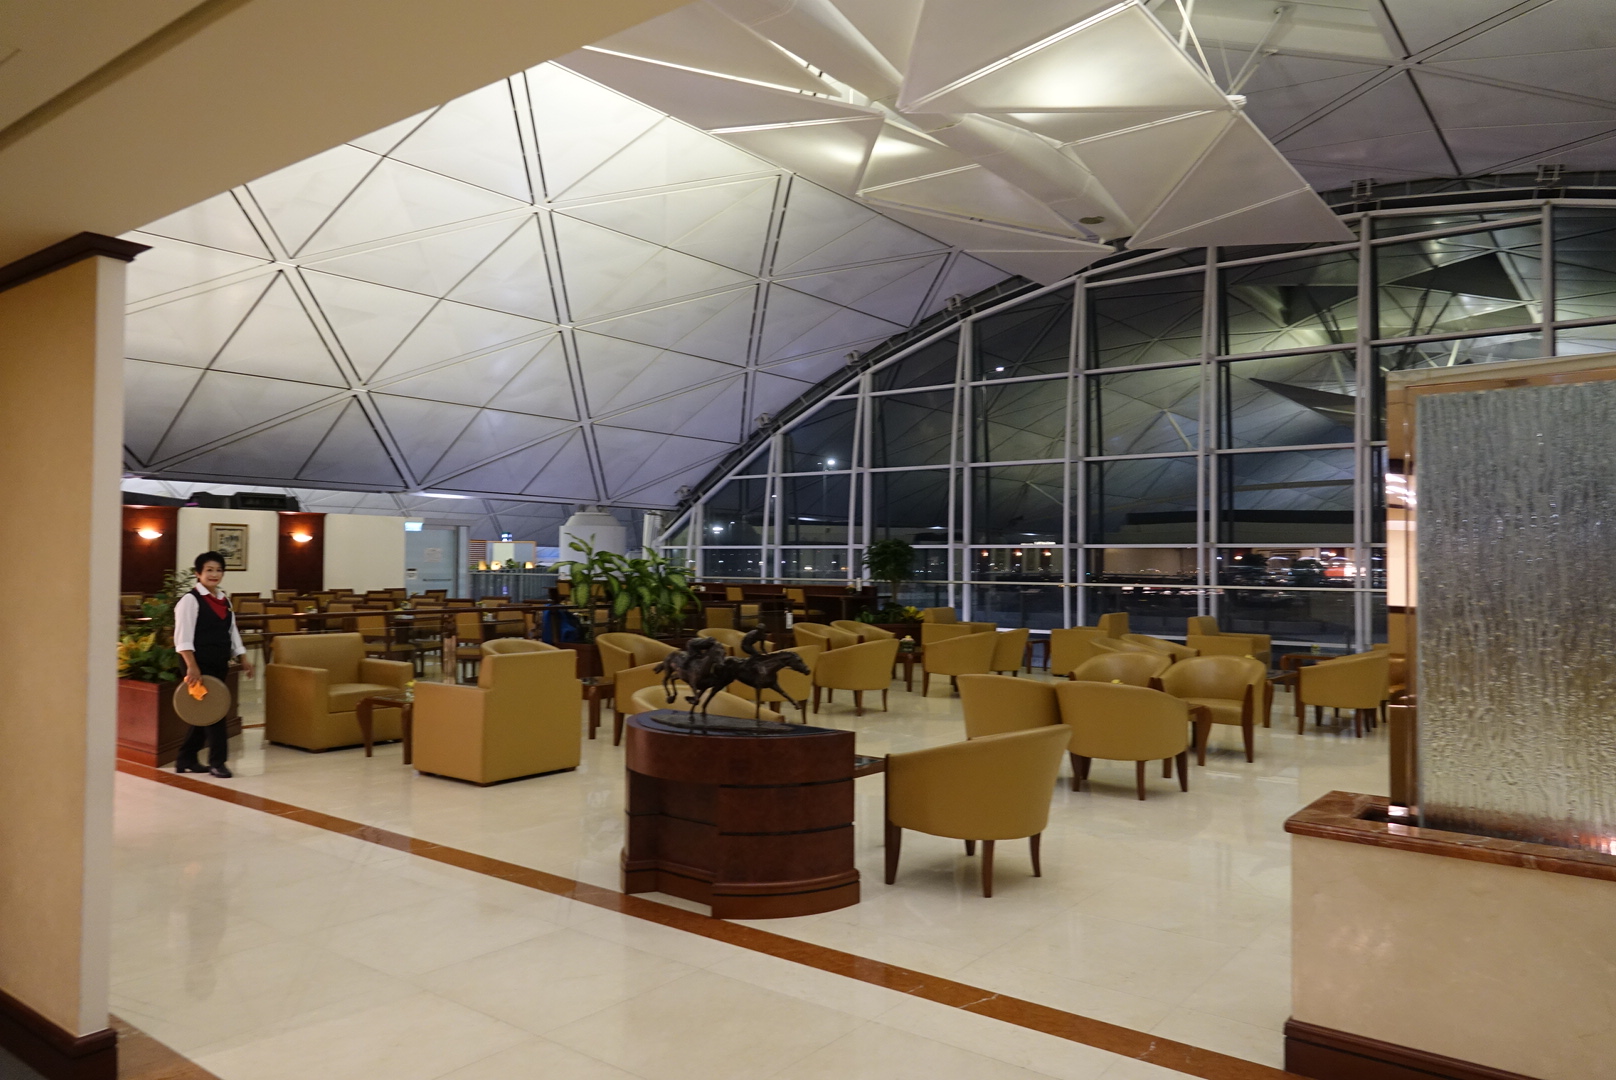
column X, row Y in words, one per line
column 1182, row 433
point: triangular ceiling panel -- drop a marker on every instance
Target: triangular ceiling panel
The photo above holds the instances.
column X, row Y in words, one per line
column 795, row 323
column 351, row 453
column 298, row 198
column 192, row 330
column 1422, row 24
column 1143, row 165
column 469, row 382
column 489, row 435
column 225, row 404
column 171, row 266
column 628, row 457
column 1387, row 111
column 608, row 272
column 698, row 36
column 670, row 153
column 265, row 453
column 567, row 475
column 950, row 42
column 580, row 124
column 453, row 330
column 515, row 278
column 431, row 265
column 1570, row 27
column 395, row 199
column 511, row 472
column 833, row 152
column 473, row 138
column 619, row 374
column 217, row 222
column 819, row 238
column 717, row 326
column 890, row 289
column 811, row 369
column 422, row 430
column 277, row 339
column 964, row 276
column 153, row 394
column 369, row 320
column 671, row 414
column 542, row 387
column 726, row 223
column 771, row 393
column 380, row 142
column 704, row 100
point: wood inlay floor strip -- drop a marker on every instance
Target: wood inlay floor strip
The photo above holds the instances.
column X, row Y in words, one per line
column 1180, row 1057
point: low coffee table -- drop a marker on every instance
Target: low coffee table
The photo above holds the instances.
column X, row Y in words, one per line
column 404, row 702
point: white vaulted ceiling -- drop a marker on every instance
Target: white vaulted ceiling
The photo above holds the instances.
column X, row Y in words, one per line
column 585, row 282
column 542, row 289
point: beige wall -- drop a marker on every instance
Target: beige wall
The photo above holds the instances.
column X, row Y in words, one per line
column 263, row 538
column 61, row 434
column 1495, row 965
column 364, row 551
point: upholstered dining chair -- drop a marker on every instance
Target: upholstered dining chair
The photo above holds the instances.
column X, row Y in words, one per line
column 1010, row 650
column 1360, row 682
column 994, row 704
column 1204, row 635
column 1127, row 668
column 1233, row 690
column 971, row 654
column 468, row 632
column 521, row 719
column 988, row 789
column 1117, row 722
column 313, row 684
column 864, row 666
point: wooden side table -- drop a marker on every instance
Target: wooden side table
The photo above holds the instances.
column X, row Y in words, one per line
column 597, row 688
column 404, row 702
column 908, row 659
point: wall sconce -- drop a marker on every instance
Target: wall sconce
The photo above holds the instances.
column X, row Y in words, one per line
column 302, row 537
column 149, row 533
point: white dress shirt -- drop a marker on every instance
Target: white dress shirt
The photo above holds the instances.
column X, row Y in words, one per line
column 185, row 621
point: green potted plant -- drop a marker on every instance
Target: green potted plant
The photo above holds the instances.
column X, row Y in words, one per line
column 892, row 562
column 653, row 585
column 149, row 731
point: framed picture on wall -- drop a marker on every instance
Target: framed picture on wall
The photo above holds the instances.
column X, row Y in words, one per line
column 231, row 542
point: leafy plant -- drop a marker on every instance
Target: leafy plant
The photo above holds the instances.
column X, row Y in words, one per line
column 655, row 586
column 891, row 561
column 891, row 613
column 146, row 649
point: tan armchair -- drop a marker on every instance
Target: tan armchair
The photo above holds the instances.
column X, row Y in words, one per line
column 988, row 789
column 1072, row 645
column 797, row 686
column 1125, row 723
column 930, row 632
column 1205, row 636
column 1102, row 646
column 1128, row 668
column 1162, row 645
column 938, row 615
column 652, row 698
column 968, row 655
column 865, row 631
column 620, row 651
column 1233, row 689
column 1010, row 650
column 313, row 684
column 728, row 636
column 1359, row 682
column 506, row 645
column 861, row 667
column 995, row 704
column 521, row 719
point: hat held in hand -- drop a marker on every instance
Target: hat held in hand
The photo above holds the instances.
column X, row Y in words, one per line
column 205, row 703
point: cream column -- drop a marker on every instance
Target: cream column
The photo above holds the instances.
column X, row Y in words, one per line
column 61, row 435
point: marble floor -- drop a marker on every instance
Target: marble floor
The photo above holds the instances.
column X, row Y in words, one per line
column 262, row 947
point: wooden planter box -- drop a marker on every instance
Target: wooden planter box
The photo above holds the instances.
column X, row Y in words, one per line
column 902, row 629
column 149, row 731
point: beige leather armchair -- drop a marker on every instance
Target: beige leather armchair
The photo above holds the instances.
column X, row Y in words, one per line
column 313, row 684
column 988, row 789
column 1127, row 668
column 994, row 704
column 521, row 719
column 968, row 655
column 652, row 698
column 1070, row 646
column 865, row 631
column 1115, row 722
column 938, row 615
column 728, row 636
column 1168, row 648
column 930, row 632
column 861, row 667
column 1359, row 682
column 619, row 652
column 797, row 686
column 507, row 645
column 1233, row 689
column 1205, row 636
column 1010, row 650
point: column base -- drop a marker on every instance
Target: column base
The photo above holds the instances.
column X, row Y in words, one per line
column 1323, row 1053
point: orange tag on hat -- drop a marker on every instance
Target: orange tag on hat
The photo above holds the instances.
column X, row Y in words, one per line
column 197, row 690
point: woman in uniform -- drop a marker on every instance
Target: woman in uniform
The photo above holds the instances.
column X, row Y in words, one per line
column 206, row 638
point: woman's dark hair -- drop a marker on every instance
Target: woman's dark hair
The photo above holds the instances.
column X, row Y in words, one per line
column 205, row 558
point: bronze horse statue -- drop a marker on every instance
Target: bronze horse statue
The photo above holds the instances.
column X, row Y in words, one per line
column 761, row 670
column 697, row 665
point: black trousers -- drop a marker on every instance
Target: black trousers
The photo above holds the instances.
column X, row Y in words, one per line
column 216, row 735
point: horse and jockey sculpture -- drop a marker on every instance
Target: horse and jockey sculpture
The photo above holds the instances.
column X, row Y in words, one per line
column 705, row 667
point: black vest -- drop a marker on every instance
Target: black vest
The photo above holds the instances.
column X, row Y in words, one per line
column 212, row 638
